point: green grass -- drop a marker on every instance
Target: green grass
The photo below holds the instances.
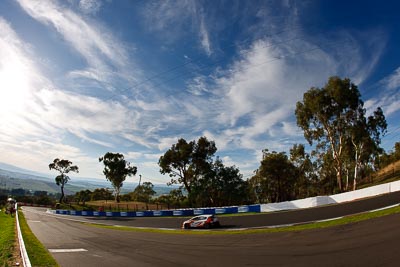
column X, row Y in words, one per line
column 302, row 227
column 38, row 254
column 7, row 239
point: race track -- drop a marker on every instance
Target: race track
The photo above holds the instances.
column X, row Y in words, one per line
column 368, row 243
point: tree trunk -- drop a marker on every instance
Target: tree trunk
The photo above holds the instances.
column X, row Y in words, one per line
column 339, row 178
column 62, row 194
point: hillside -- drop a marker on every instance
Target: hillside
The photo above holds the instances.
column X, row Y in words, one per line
column 17, row 178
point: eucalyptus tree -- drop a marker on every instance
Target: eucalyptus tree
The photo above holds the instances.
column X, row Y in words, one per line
column 277, row 176
column 116, row 169
column 186, row 161
column 365, row 137
column 220, row 186
column 63, row 166
column 305, row 172
column 333, row 115
column 143, row 192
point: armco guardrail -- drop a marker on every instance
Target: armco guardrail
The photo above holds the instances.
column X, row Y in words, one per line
column 24, row 255
column 270, row 207
column 159, row 213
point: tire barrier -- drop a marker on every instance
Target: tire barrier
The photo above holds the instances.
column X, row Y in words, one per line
column 163, row 213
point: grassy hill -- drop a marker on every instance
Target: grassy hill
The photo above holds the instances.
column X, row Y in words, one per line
column 15, row 180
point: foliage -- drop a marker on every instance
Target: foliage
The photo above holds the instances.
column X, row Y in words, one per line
column 143, row 192
column 220, row 186
column 63, row 166
column 306, row 177
column 83, row 195
column 275, row 178
column 185, row 162
column 101, row 194
column 386, row 159
column 334, row 117
column 116, row 169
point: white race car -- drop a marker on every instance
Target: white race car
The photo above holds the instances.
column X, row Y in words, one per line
column 202, row 221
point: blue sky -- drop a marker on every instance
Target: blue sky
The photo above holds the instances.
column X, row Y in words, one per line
column 81, row 78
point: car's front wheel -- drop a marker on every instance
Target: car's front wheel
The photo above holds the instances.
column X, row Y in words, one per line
column 186, row 226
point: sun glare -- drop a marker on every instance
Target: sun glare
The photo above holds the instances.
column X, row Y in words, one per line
column 14, row 86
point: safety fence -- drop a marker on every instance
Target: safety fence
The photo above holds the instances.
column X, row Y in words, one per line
column 24, row 255
column 270, row 207
column 159, row 213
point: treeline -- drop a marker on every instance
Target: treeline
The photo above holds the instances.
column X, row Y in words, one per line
column 27, row 196
column 344, row 143
column 344, row 149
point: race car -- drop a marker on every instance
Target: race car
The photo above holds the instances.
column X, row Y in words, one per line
column 202, row 221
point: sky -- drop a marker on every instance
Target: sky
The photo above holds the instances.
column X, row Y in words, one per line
column 79, row 78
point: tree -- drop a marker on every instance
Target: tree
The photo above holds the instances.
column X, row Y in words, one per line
column 83, row 195
column 116, row 169
column 185, row 162
column 220, row 186
column 63, row 166
column 327, row 116
column 101, row 194
column 305, row 172
column 277, row 177
column 365, row 137
column 143, row 192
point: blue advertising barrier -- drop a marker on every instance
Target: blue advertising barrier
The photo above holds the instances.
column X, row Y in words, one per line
column 161, row 213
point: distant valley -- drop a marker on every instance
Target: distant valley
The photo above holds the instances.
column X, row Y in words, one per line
column 12, row 177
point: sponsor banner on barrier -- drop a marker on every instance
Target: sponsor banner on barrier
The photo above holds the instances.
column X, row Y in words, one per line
column 198, row 212
column 157, row 213
column 84, row 213
column 123, row 214
column 109, row 213
column 96, row 213
column 140, row 213
column 177, row 213
column 243, row 209
column 220, row 211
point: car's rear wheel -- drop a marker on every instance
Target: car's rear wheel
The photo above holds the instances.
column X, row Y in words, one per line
column 186, row 226
column 207, row 226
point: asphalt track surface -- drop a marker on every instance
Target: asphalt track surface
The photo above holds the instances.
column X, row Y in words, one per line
column 369, row 243
column 262, row 219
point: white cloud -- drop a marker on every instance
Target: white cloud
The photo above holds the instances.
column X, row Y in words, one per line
column 393, row 80
column 104, row 53
column 36, row 117
column 205, row 40
column 90, row 6
column 174, row 19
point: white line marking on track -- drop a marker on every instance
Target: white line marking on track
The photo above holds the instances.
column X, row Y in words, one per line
column 331, row 219
column 34, row 221
column 63, row 250
column 384, row 208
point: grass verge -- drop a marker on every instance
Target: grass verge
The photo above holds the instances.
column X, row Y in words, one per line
column 301, row 227
column 7, row 239
column 38, row 254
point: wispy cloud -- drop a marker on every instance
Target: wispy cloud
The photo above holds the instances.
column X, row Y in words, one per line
column 105, row 55
column 393, row 80
column 36, row 116
column 90, row 6
column 180, row 18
